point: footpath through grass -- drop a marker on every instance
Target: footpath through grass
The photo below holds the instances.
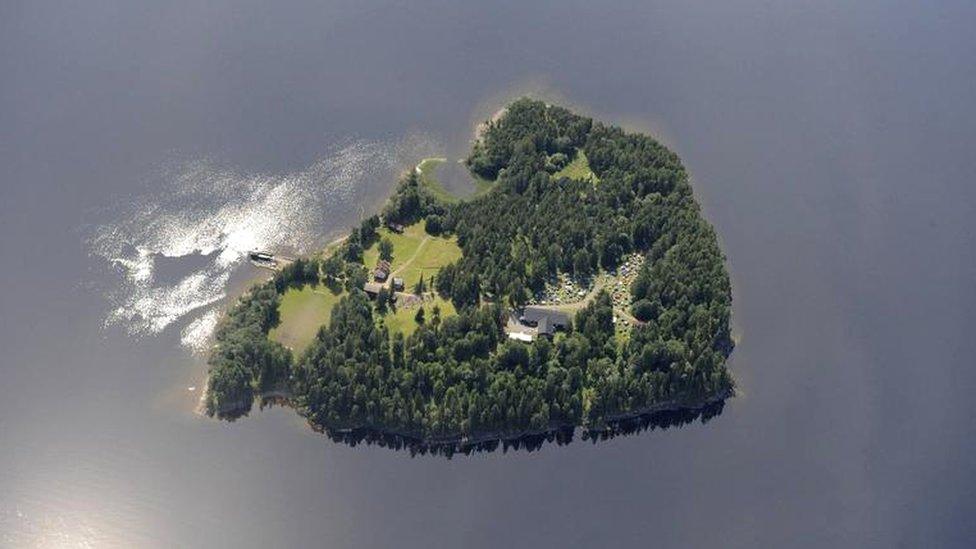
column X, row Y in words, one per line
column 415, row 253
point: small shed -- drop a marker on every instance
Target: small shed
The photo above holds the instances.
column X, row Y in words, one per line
column 395, row 227
column 397, row 284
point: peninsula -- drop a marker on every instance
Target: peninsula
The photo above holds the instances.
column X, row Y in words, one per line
column 578, row 288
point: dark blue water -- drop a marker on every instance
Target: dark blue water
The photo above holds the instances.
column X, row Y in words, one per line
column 829, row 144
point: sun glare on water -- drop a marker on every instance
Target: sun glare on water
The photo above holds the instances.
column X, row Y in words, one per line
column 215, row 215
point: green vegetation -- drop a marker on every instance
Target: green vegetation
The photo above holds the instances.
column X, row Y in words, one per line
column 403, row 319
column 428, row 177
column 302, row 311
column 414, row 253
column 481, row 185
column 578, row 168
column 427, row 172
column 244, row 361
column 454, row 376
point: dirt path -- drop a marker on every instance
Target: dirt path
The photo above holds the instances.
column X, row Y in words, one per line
column 577, row 305
column 410, row 261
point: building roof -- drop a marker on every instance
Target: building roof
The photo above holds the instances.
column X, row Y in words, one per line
column 539, row 314
column 544, row 326
column 373, row 287
column 520, row 336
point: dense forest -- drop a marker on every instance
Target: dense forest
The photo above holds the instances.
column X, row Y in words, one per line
column 459, row 377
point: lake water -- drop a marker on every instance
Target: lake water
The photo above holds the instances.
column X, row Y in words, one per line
column 143, row 147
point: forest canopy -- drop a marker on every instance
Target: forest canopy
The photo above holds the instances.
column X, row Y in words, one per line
column 458, row 377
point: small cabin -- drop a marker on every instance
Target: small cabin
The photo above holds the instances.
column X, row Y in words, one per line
column 372, row 289
column 397, row 284
column 395, row 227
column 382, row 270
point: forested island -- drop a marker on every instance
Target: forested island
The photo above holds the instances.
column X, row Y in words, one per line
column 581, row 288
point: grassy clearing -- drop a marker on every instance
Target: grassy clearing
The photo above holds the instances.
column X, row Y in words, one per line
column 434, row 254
column 403, row 319
column 414, row 253
column 578, row 169
column 405, row 245
column 302, row 313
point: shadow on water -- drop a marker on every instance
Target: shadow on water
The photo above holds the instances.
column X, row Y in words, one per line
column 561, row 436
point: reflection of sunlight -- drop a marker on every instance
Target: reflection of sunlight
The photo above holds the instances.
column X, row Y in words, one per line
column 196, row 208
column 57, row 520
column 44, row 532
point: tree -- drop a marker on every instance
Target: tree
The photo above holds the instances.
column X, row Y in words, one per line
column 356, row 276
column 386, row 249
column 367, row 230
column 581, row 264
column 419, row 317
column 382, row 301
column 517, row 294
column 420, row 287
column 332, row 268
column 310, row 272
column 434, row 224
column 644, row 310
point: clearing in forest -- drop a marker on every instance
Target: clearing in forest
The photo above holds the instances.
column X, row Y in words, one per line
column 414, row 253
column 302, row 312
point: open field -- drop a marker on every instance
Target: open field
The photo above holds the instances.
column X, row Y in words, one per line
column 414, row 253
column 579, row 169
column 403, row 319
column 302, row 313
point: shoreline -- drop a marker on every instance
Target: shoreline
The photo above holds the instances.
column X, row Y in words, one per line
column 233, row 295
column 282, row 397
column 481, row 127
column 684, row 404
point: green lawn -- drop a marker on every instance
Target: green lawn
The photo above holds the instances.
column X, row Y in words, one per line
column 302, row 313
column 579, row 169
column 403, row 319
column 414, row 253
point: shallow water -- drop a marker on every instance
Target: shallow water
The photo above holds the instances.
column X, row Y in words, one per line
column 144, row 148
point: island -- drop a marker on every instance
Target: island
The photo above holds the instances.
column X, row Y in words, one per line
column 578, row 288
